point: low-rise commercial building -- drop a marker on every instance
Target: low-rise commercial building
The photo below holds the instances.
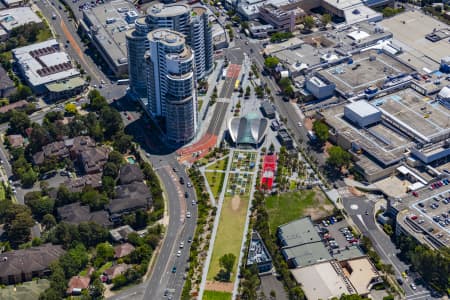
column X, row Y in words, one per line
column 258, row 254
column 106, row 25
column 320, row 88
column 283, row 18
column 248, row 131
column 44, row 63
column 13, row 3
column 16, row 17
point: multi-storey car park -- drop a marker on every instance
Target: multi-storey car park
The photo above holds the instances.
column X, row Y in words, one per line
column 106, row 25
column 425, row 214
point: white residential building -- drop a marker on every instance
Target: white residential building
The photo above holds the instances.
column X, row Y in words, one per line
column 170, row 88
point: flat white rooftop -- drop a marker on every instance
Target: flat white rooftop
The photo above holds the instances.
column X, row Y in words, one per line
column 362, row 108
column 15, row 17
column 320, row 281
column 44, row 63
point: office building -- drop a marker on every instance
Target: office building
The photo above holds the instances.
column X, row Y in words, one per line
column 171, row 91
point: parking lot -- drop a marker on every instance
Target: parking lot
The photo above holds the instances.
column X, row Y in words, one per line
column 435, row 208
column 337, row 235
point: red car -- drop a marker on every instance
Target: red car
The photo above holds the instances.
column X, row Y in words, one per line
column 415, row 194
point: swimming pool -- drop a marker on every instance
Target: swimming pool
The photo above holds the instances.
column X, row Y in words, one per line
column 131, row 160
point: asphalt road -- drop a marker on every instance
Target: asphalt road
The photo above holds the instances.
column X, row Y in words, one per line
column 219, row 114
column 357, row 207
column 180, row 227
column 62, row 26
column 227, row 88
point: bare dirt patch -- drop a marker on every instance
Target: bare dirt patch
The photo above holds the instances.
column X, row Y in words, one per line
column 323, row 209
column 235, row 203
column 355, row 191
column 219, row 286
column 308, row 123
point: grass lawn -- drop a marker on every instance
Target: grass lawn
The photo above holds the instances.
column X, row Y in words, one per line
column 26, row 291
column 215, row 181
column 213, row 295
column 286, row 207
column 219, row 165
column 229, row 234
column 292, row 185
column 2, row 192
column 44, row 35
column 200, row 103
column 105, row 266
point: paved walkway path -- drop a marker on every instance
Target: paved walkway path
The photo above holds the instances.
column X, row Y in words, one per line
column 247, row 221
column 214, row 231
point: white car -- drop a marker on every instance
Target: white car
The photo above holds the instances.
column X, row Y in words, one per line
column 299, row 124
column 413, row 286
column 189, row 185
column 193, row 202
column 178, row 253
column 181, row 245
column 188, row 214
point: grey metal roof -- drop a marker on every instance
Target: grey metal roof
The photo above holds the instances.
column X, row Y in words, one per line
column 249, row 129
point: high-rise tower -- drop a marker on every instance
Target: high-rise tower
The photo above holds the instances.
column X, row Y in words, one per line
column 170, row 86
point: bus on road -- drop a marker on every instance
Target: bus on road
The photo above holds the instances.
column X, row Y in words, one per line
column 123, row 81
column 236, row 85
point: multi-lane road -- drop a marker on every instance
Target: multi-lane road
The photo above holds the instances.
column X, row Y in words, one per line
column 168, row 271
column 362, row 212
column 65, row 30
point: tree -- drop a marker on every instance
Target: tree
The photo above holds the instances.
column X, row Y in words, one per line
column 48, row 221
column 19, row 230
column 104, row 253
column 271, row 62
column 74, row 260
column 97, row 289
column 97, row 101
column 18, row 122
column 93, row 198
column 17, row 219
column 58, row 284
column 108, row 185
column 326, row 19
column 321, row 130
column 38, row 138
column 338, row 157
column 116, row 158
column 40, row 206
column 280, row 36
column 247, row 91
column 308, row 22
column 71, row 108
column 123, row 142
column 111, row 121
column 227, row 262
column 111, row 169
column 29, row 177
